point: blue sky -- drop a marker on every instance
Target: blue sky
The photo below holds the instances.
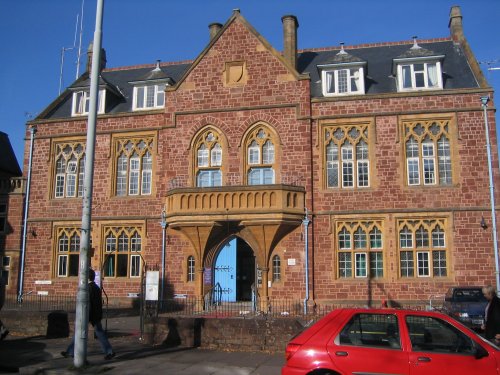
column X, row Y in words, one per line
column 33, row 32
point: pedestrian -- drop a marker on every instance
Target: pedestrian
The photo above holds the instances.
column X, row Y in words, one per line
column 3, row 330
column 95, row 316
column 491, row 326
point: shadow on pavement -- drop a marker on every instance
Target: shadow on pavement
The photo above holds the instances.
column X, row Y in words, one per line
column 16, row 353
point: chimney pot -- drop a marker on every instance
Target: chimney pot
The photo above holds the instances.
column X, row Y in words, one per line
column 214, row 28
column 90, row 53
column 455, row 24
column 290, row 25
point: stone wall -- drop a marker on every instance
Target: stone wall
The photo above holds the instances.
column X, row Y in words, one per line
column 269, row 335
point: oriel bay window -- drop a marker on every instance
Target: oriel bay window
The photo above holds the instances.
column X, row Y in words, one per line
column 134, row 166
column 122, row 252
column 360, row 249
column 69, row 165
column 422, row 248
column 347, row 159
column 208, row 159
column 428, row 152
column 260, row 157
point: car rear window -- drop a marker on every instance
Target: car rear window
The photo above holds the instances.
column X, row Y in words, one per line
column 374, row 330
column 468, row 295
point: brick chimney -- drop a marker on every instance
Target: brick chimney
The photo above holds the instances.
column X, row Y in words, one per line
column 214, row 29
column 455, row 24
column 290, row 25
column 90, row 53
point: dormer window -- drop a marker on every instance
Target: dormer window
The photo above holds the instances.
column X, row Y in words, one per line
column 149, row 96
column 343, row 74
column 343, row 81
column 419, row 76
column 418, row 69
column 81, row 102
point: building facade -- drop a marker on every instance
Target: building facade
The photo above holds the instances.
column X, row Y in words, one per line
column 365, row 164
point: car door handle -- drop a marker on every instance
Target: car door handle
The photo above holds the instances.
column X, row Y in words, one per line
column 341, row 354
column 423, row 359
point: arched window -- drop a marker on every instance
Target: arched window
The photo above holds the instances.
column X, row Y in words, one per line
column 190, row 268
column 276, row 268
column 260, row 157
column 68, row 251
column 208, row 159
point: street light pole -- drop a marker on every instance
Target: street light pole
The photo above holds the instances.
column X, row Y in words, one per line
column 163, row 223
column 305, row 222
column 82, row 297
column 484, row 103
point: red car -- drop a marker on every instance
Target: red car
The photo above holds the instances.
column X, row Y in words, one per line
column 389, row 341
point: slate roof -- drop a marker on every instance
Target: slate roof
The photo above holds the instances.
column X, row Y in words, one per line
column 8, row 161
column 379, row 77
column 379, row 73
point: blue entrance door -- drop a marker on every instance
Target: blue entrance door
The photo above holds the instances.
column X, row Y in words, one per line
column 225, row 271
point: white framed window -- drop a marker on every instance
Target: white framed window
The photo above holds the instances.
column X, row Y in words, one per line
column 276, row 268
column 423, row 248
column 419, row 75
column 134, row 166
column 343, row 81
column 208, row 159
column 191, row 268
column 428, row 152
column 360, row 249
column 69, row 169
column 122, row 252
column 347, row 156
column 68, row 252
column 209, row 177
column 149, row 96
column 261, row 176
column 81, row 102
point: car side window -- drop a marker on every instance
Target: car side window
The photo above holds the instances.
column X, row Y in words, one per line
column 371, row 330
column 428, row 334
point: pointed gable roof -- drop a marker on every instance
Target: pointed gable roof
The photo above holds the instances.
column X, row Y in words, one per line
column 237, row 17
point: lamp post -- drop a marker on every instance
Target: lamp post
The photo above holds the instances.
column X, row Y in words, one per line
column 163, row 224
column 306, row 222
column 484, row 103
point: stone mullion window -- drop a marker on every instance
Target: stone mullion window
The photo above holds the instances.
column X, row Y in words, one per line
column 276, row 268
column 69, row 168
column 134, row 166
column 191, row 269
column 208, row 159
column 422, row 248
column 428, row 152
column 260, row 157
column 360, row 249
column 67, row 251
column 122, row 249
column 347, row 161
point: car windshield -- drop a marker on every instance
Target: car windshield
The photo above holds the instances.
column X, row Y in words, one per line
column 468, row 295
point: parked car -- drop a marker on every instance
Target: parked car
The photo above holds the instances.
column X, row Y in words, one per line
column 389, row 341
column 466, row 304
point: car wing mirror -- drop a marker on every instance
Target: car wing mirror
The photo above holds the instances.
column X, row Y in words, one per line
column 480, row 352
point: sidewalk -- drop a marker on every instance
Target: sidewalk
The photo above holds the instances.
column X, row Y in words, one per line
column 38, row 355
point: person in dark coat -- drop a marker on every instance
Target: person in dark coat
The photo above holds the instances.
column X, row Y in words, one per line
column 95, row 316
column 491, row 326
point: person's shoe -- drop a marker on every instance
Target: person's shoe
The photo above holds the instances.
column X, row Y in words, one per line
column 109, row 356
column 4, row 334
column 66, row 354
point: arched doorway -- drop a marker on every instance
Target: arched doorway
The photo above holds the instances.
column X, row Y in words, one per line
column 234, row 270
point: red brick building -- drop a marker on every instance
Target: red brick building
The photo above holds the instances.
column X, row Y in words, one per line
column 383, row 145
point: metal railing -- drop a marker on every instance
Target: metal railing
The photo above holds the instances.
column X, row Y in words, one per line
column 34, row 302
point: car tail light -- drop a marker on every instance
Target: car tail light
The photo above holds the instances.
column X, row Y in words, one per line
column 290, row 350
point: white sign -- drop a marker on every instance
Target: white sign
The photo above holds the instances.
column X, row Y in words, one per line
column 43, row 293
column 152, row 281
column 133, row 295
column 43, row 282
column 291, row 262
